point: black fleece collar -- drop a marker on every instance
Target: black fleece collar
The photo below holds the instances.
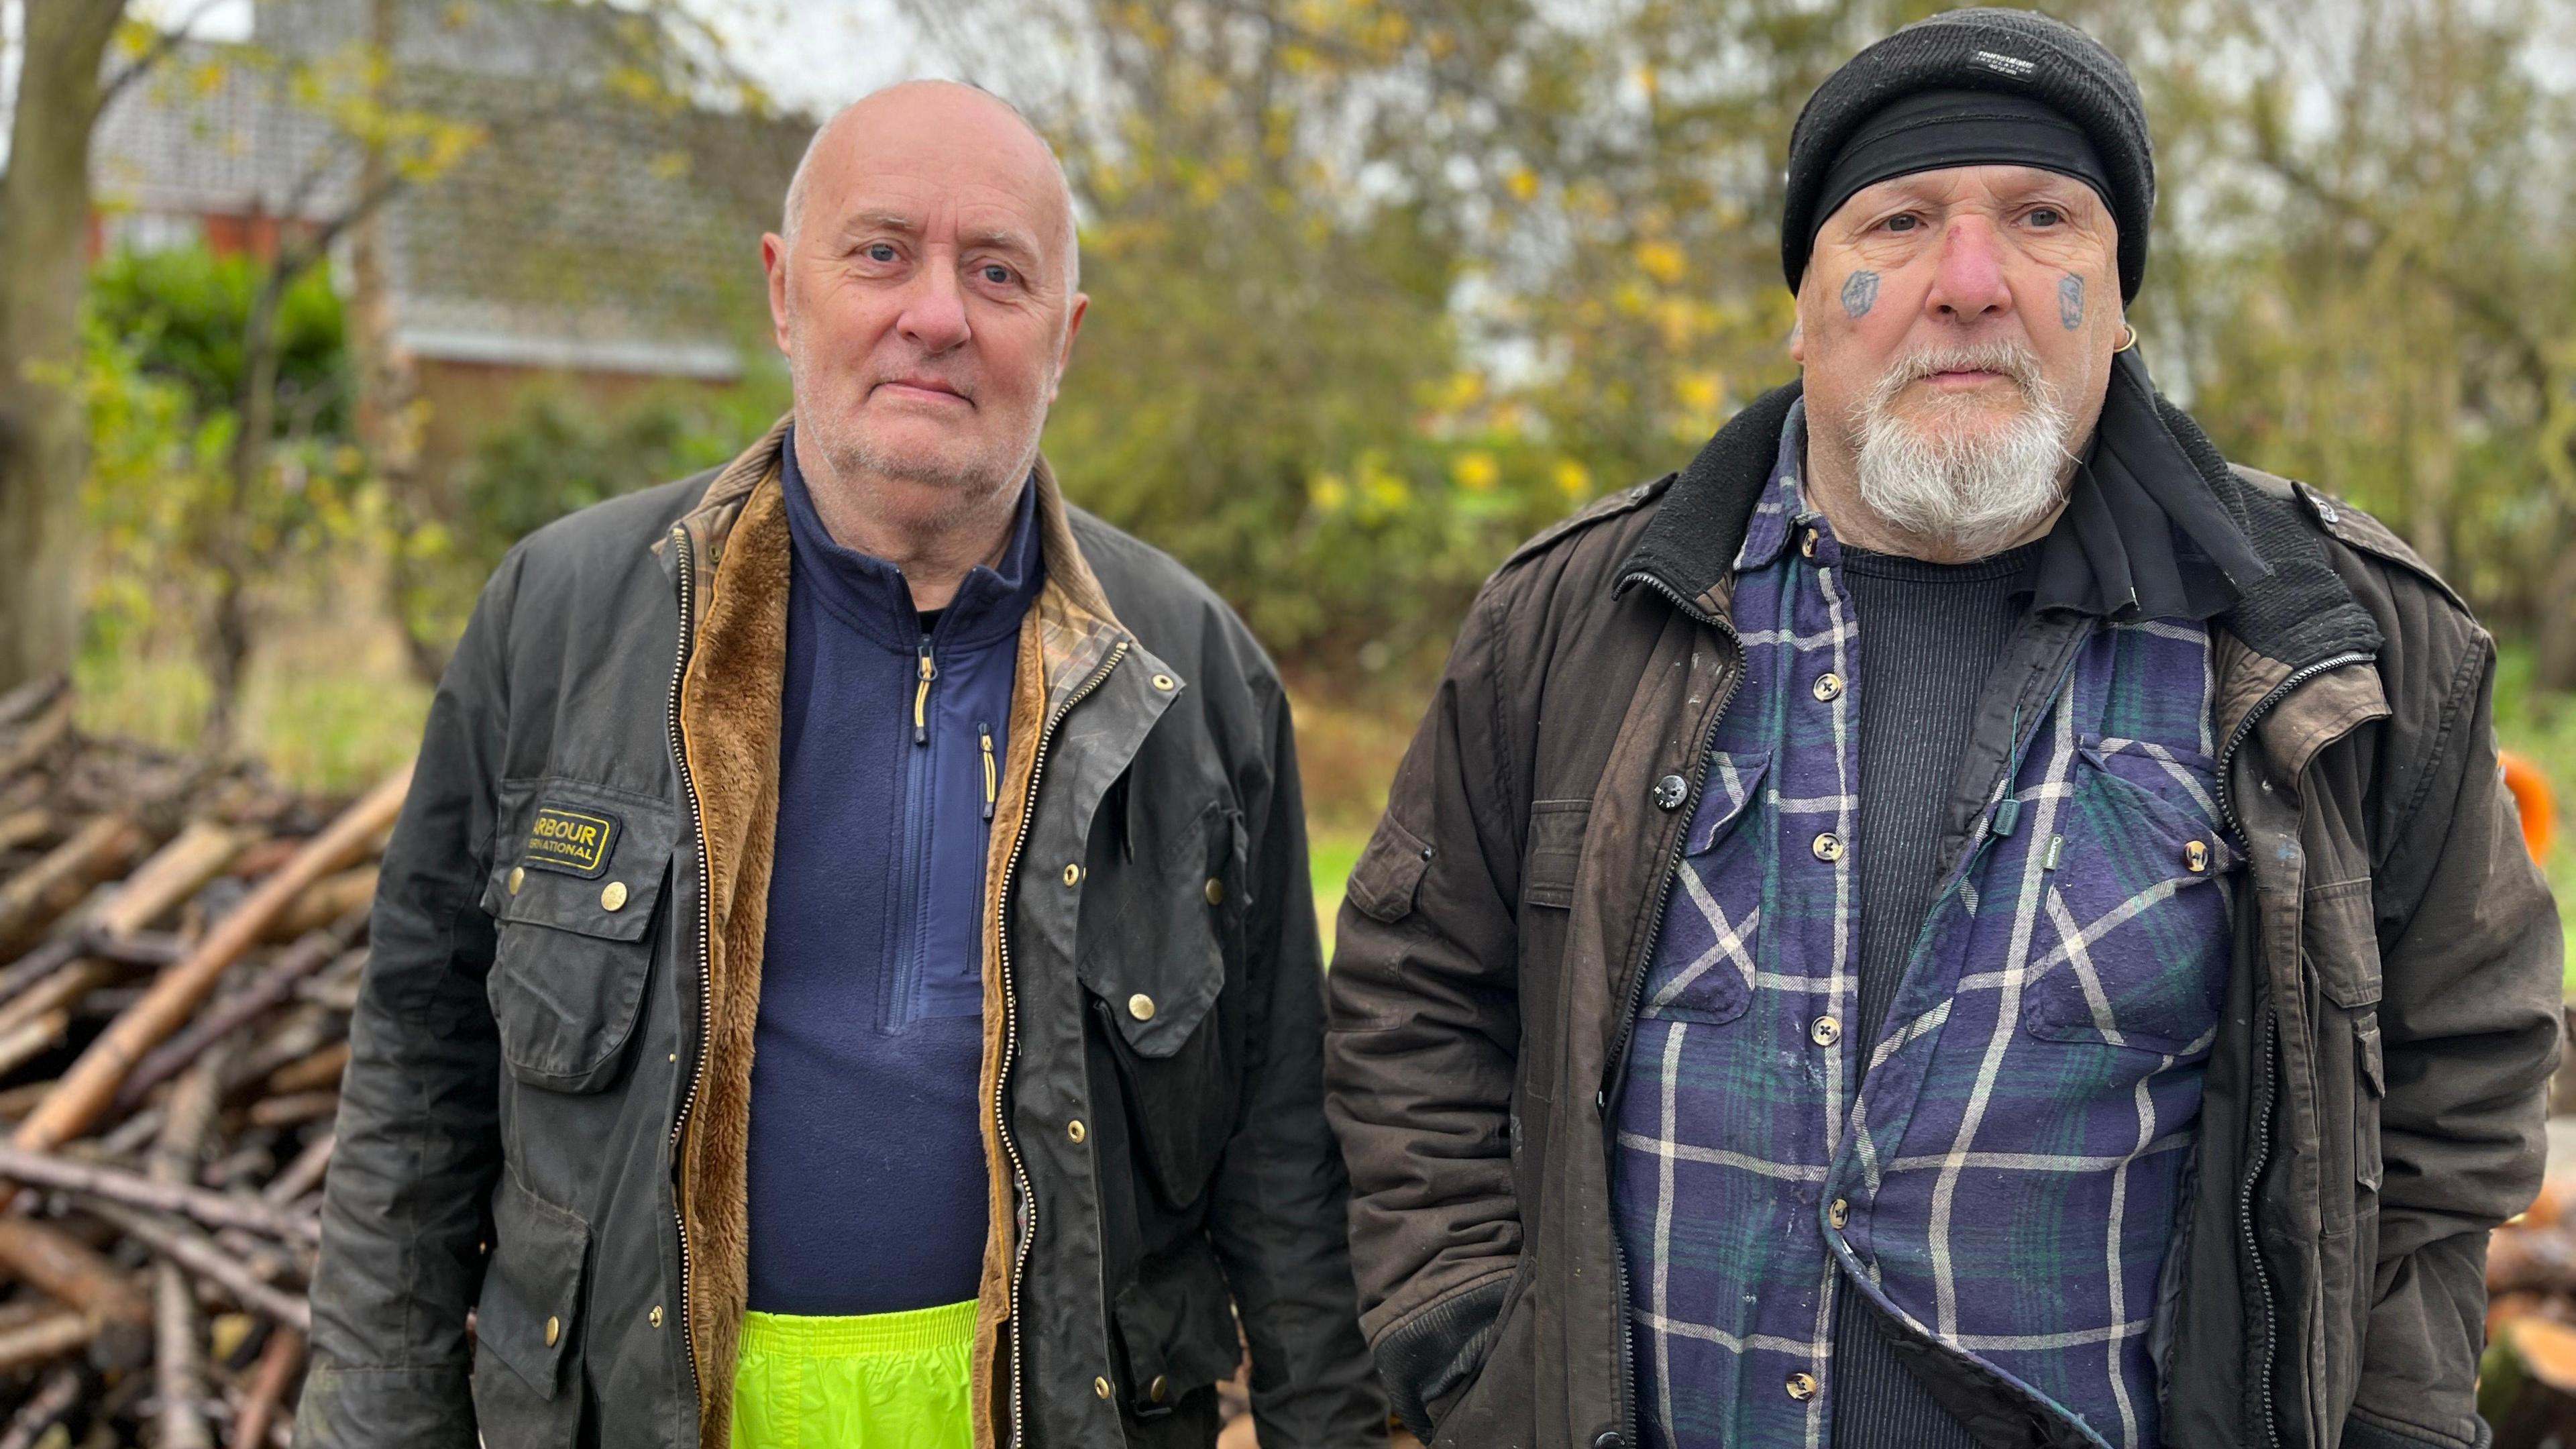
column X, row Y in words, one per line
column 2282, row 597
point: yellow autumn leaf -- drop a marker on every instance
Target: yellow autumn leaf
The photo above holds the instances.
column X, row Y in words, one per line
column 1662, row 260
column 1522, row 182
column 1476, row 472
column 1572, row 478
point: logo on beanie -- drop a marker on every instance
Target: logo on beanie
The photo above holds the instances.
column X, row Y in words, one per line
column 2011, row 65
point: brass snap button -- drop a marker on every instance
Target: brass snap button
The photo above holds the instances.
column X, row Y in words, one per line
column 612, row 896
column 1829, row 686
column 1215, row 891
column 1101, row 1387
column 2195, row 857
column 554, row 1330
column 1828, row 846
column 518, row 878
column 1839, row 1214
column 1802, row 1387
column 1165, row 683
column 654, row 1317
column 1141, row 1006
column 1159, row 1390
column 1073, row 875
column 1807, row 549
column 1075, row 1130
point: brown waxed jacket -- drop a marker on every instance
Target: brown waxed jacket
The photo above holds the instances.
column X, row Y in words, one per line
column 2373, row 1103
column 547, row 1106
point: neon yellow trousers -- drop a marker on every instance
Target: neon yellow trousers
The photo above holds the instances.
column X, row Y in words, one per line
column 885, row 1381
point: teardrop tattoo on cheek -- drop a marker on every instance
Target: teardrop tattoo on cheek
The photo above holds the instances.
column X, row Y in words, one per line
column 2070, row 301
column 1860, row 293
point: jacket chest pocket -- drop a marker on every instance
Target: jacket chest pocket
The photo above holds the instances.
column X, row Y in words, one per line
column 1704, row 964
column 576, row 886
column 2129, row 943
column 1158, row 934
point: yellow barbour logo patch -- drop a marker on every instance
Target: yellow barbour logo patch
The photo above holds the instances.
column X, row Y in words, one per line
column 575, row 841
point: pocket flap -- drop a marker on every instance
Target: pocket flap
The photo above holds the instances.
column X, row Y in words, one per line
column 1389, row 872
column 580, row 859
column 1176, row 1322
column 1734, row 780
column 526, row 1317
column 1555, row 849
column 2374, row 1069
column 1160, row 966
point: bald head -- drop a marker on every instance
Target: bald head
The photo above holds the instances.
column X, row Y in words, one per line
column 943, row 114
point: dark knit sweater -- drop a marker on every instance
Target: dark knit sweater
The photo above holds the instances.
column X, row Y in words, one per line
column 1929, row 636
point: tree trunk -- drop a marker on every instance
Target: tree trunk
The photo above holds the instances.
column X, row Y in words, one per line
column 227, row 639
column 44, row 234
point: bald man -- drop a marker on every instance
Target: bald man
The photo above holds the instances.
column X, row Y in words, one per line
column 846, row 974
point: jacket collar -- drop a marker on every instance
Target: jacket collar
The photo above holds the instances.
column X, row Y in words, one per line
column 2289, row 605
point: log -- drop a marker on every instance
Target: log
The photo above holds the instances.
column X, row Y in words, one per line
column 59, row 990
column 32, row 741
column 91, row 1085
column 278, row 1364
column 133, row 1189
column 164, row 882
column 302, row 1175
column 20, row 1100
column 317, row 1072
column 271, row 987
column 43, row 891
column 25, row 827
column 24, row 700
column 178, row 1358
column 32, row 1038
column 349, row 892
column 71, row 1271
column 43, row 1409
column 289, row 1110
column 44, row 1340
column 200, row 1255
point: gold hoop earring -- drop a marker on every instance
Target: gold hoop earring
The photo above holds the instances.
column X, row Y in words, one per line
column 2128, row 338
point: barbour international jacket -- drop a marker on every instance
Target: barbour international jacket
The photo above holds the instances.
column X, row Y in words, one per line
column 2373, row 1101
column 547, row 1102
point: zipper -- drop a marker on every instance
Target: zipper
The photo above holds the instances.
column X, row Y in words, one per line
column 992, row 776
column 1028, row 1229
column 921, row 697
column 1618, row 1059
column 687, row 571
column 2259, row 1155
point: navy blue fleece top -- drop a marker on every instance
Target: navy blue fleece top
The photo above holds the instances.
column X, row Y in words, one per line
column 867, row 1184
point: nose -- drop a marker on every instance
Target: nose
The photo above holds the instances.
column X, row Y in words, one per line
column 934, row 316
column 1969, row 284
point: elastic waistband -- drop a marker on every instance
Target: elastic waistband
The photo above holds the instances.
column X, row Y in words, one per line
column 873, row 1335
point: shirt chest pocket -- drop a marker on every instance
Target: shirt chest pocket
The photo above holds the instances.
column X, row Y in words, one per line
column 578, row 877
column 1705, row 961
column 2130, row 941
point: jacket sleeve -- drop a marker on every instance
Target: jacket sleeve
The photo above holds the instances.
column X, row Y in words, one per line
column 403, row 1215
column 2470, row 965
column 1277, row 1218
column 1425, row 1036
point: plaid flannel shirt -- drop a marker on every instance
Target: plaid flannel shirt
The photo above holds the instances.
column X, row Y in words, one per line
column 2003, row 1171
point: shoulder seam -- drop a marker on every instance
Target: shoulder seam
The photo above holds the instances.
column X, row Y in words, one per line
column 1609, row 506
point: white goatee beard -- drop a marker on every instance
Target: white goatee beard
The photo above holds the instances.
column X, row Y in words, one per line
column 1974, row 488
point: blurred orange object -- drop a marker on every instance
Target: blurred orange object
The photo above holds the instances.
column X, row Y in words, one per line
column 2546, row 1209
column 2531, row 793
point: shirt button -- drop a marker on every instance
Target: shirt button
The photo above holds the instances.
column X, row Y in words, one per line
column 1829, row 686
column 1828, row 846
column 1670, row 792
column 1802, row 1387
column 1839, row 1214
column 2195, row 857
column 1825, row 1031
column 1215, row 891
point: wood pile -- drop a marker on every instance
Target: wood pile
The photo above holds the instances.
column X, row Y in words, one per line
column 2527, row 1383
column 179, row 954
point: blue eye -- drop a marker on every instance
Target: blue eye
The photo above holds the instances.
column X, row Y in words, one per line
column 2045, row 216
column 880, row 252
column 997, row 275
column 1905, row 222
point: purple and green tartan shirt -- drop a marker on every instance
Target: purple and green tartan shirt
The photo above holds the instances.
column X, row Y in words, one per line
column 2003, row 1170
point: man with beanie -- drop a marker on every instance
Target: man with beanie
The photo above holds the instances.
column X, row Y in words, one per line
column 1959, row 917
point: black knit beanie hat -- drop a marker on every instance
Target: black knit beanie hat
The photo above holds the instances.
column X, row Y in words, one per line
column 2018, row 53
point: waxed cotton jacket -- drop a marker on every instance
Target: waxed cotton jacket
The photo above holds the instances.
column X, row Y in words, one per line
column 2373, row 1103
column 546, row 1108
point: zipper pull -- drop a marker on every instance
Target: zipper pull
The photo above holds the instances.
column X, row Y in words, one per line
column 992, row 780
column 921, row 696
